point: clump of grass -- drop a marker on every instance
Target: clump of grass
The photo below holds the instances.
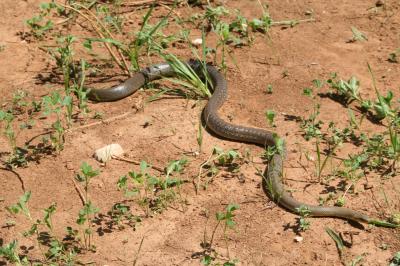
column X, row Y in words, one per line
column 187, row 77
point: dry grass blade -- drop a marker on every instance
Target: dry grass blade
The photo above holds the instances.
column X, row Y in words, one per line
column 124, row 66
column 148, row 2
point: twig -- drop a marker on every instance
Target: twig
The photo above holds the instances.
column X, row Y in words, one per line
column 170, row 9
column 111, row 119
column 159, row 169
column 81, row 196
column 147, row 2
column 18, row 176
column 138, row 252
column 291, row 22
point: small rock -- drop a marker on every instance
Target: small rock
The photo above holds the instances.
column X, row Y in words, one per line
column 379, row 3
column 197, row 42
column 105, row 153
column 298, row 238
column 368, row 186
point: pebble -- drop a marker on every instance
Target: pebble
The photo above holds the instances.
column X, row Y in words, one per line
column 197, row 42
column 298, row 238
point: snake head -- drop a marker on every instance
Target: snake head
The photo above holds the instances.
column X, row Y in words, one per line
column 157, row 71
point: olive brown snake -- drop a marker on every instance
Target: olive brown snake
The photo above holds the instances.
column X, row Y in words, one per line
column 272, row 181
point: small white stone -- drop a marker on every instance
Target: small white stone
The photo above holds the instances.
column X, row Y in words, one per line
column 197, row 42
column 105, row 153
column 298, row 238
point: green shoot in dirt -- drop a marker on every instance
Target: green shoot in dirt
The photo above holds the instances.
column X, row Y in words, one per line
column 38, row 24
column 57, row 250
column 357, row 35
column 54, row 104
column 152, row 193
column 10, row 253
column 218, row 159
column 303, row 222
column 226, row 217
column 270, row 116
column 395, row 261
column 394, row 56
column 9, row 116
column 89, row 210
column 8, row 132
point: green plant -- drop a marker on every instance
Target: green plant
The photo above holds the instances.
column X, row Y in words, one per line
column 152, row 193
column 188, row 78
column 218, row 158
column 21, row 206
column 395, row 261
column 262, row 24
column 86, row 214
column 148, row 38
column 110, row 18
column 312, row 126
column 10, row 253
column 54, row 104
column 357, row 35
column 38, row 24
column 269, row 89
column 349, row 90
column 57, row 250
column 9, row 132
column 270, row 116
column 394, row 56
column 120, row 215
column 226, row 218
column 303, row 222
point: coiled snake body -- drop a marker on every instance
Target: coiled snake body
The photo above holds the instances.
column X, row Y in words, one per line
column 272, row 180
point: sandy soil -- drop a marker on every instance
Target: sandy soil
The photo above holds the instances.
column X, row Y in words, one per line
column 264, row 233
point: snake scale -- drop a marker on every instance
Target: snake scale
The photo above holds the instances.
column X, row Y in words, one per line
column 272, row 180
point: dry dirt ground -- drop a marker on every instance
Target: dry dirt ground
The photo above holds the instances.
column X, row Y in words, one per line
column 288, row 59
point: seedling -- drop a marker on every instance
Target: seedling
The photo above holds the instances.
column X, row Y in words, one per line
column 54, row 104
column 269, row 89
column 121, row 215
column 151, row 192
column 270, row 116
column 89, row 210
column 394, row 56
column 395, row 261
column 209, row 254
column 303, row 222
column 218, row 158
column 357, row 35
column 38, row 24
column 10, row 253
column 8, row 132
column 57, row 250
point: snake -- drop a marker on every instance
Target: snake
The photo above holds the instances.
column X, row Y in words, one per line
column 272, row 176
